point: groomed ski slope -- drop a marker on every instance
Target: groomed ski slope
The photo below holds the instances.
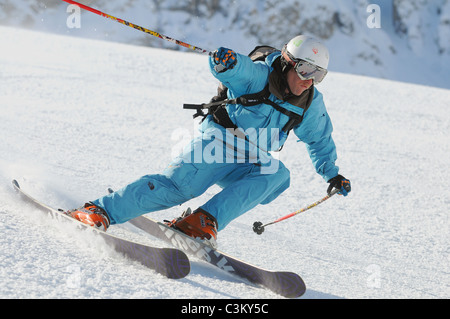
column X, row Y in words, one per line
column 79, row 116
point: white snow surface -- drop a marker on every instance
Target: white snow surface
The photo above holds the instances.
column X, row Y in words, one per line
column 78, row 116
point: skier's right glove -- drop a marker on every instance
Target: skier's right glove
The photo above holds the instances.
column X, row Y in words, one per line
column 341, row 183
column 224, row 59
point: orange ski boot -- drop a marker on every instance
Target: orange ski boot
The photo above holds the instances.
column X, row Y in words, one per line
column 199, row 224
column 91, row 215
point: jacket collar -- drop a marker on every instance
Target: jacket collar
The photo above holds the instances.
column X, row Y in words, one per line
column 278, row 85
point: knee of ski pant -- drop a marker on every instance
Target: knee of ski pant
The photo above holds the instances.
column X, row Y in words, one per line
column 282, row 179
column 185, row 179
column 275, row 170
column 152, row 192
column 283, row 173
column 171, row 189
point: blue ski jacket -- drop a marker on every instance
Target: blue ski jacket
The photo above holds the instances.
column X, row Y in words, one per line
column 315, row 130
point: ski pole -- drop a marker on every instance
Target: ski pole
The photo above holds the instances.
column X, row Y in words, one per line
column 258, row 227
column 135, row 26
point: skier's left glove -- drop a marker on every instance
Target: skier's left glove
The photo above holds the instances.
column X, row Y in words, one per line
column 341, row 183
column 224, row 59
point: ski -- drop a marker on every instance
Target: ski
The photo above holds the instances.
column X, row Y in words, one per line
column 170, row 262
column 286, row 284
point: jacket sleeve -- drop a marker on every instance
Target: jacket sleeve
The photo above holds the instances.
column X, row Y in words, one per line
column 246, row 77
column 315, row 130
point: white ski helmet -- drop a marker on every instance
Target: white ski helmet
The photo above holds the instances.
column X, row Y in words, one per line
column 307, row 49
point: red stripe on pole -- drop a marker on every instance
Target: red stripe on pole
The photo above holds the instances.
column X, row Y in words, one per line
column 84, row 7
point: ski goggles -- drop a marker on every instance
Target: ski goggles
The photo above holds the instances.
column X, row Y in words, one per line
column 306, row 70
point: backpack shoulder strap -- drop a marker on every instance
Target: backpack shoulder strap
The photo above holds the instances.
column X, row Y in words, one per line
column 263, row 97
column 260, row 53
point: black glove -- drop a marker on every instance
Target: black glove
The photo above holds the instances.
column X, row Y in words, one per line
column 341, row 183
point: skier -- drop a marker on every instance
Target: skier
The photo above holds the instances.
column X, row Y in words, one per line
column 233, row 149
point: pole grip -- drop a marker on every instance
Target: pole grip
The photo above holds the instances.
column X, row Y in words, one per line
column 192, row 106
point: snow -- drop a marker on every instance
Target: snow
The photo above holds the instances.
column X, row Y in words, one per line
column 79, row 116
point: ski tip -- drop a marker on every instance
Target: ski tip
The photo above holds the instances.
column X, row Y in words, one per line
column 180, row 265
column 15, row 183
column 290, row 285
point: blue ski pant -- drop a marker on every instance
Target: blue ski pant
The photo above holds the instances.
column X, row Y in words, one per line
column 244, row 186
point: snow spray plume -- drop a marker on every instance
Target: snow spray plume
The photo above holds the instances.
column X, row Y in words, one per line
column 156, row 34
column 258, row 227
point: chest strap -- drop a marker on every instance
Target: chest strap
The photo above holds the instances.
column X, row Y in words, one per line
column 218, row 109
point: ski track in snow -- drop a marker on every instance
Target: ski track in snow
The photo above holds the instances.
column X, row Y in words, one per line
column 79, row 116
